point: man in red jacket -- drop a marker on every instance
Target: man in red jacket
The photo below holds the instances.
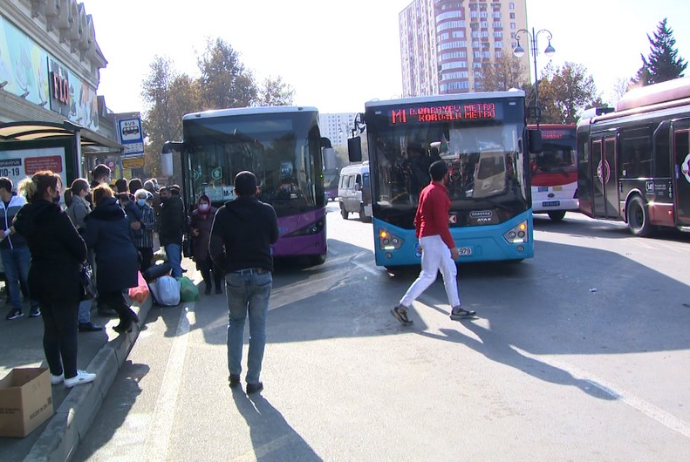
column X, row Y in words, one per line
column 437, row 246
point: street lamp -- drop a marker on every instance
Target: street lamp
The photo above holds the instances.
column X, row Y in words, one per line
column 519, row 52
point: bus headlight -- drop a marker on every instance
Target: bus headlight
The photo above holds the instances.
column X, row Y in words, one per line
column 314, row 228
column 388, row 241
column 517, row 235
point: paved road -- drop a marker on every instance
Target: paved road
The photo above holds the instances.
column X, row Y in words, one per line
column 579, row 354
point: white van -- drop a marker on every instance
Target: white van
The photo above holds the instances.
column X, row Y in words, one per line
column 354, row 191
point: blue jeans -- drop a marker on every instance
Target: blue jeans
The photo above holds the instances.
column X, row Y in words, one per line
column 16, row 262
column 85, row 311
column 247, row 293
column 174, row 253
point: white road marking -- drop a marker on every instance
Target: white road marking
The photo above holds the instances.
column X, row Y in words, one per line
column 650, row 410
column 160, row 431
column 367, row 268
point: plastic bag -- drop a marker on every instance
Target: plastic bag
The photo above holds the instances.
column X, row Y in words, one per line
column 188, row 291
column 166, row 291
column 160, row 255
column 139, row 293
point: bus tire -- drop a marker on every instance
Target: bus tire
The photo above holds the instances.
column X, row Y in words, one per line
column 638, row 217
column 344, row 213
column 557, row 215
column 317, row 260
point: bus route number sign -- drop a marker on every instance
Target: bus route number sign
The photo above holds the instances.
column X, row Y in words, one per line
column 444, row 113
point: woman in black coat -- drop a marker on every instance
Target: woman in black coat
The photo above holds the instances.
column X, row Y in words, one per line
column 57, row 253
column 117, row 262
column 200, row 226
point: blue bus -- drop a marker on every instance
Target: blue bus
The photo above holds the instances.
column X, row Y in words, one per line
column 484, row 139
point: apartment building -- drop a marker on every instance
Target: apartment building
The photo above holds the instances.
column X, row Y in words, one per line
column 445, row 44
column 337, row 127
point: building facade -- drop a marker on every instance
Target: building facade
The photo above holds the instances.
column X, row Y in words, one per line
column 49, row 75
column 337, row 127
column 445, row 44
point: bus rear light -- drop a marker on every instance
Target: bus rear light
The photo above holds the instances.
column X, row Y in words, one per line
column 517, row 235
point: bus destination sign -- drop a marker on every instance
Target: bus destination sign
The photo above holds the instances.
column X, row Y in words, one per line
column 445, row 113
column 555, row 134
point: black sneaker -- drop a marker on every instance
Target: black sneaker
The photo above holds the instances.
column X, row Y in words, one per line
column 254, row 387
column 234, row 380
column 14, row 314
column 400, row 313
column 35, row 312
column 459, row 313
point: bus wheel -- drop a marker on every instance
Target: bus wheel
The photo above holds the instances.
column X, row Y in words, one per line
column 557, row 215
column 638, row 217
column 343, row 212
column 316, row 260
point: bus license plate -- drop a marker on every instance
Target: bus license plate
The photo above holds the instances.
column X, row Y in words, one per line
column 464, row 251
column 551, row 203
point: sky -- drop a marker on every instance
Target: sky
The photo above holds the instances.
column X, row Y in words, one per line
column 337, row 55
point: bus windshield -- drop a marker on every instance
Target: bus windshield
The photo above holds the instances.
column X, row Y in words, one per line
column 555, row 165
column 283, row 152
column 481, row 160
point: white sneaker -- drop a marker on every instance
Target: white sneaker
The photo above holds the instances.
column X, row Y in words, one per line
column 82, row 377
column 57, row 379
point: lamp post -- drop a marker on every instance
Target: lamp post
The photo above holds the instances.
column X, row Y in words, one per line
column 519, row 52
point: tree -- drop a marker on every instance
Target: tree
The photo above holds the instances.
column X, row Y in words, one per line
column 503, row 74
column 565, row 91
column 167, row 97
column 620, row 88
column 663, row 62
column 274, row 92
column 224, row 81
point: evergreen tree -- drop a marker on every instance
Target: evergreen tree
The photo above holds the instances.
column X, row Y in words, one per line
column 663, row 62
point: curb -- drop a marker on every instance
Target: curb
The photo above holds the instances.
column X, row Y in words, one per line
column 73, row 418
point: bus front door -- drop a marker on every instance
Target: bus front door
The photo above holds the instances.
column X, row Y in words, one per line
column 611, row 186
column 681, row 155
column 604, row 181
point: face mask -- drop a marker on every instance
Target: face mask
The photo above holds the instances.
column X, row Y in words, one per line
column 141, row 202
column 204, row 207
column 56, row 199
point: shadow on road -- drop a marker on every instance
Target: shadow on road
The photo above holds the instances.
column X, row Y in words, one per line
column 272, row 437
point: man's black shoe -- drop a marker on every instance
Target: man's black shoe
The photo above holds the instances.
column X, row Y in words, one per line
column 234, row 380
column 89, row 327
column 107, row 312
column 254, row 388
column 207, row 291
column 219, row 290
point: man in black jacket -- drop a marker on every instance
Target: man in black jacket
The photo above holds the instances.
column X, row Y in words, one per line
column 173, row 221
column 240, row 244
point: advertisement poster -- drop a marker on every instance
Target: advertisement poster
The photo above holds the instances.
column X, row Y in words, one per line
column 19, row 164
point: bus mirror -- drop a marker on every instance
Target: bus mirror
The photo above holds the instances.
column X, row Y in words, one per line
column 167, row 157
column 354, row 149
column 328, row 158
column 535, row 142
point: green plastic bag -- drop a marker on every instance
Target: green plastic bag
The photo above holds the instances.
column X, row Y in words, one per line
column 188, row 291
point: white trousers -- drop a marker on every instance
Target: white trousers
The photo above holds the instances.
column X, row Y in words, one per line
column 435, row 257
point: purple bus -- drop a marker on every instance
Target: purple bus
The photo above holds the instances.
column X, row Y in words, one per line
column 283, row 147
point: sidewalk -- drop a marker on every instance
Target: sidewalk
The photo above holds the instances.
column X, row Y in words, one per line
column 100, row 352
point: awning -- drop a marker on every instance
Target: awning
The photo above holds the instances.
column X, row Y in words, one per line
column 37, row 130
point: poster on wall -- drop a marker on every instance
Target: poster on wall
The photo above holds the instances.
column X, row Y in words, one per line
column 21, row 163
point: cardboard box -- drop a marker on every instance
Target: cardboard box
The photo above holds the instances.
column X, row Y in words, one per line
column 26, row 400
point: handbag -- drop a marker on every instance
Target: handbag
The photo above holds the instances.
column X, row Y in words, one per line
column 88, row 282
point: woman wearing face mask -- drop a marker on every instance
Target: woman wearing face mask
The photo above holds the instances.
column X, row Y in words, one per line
column 57, row 254
column 200, row 228
column 77, row 209
column 144, row 240
column 117, row 260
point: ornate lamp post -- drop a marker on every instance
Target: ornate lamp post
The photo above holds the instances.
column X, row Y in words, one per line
column 519, row 52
